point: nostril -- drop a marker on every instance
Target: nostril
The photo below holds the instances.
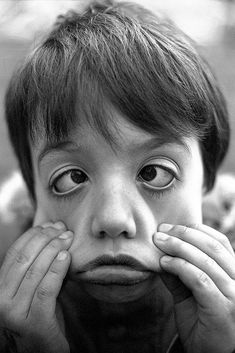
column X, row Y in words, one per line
column 102, row 233
column 113, row 225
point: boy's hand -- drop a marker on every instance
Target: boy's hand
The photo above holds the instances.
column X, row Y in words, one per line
column 200, row 273
column 31, row 277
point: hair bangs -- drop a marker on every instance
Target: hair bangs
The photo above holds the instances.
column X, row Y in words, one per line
column 143, row 86
column 63, row 94
column 73, row 79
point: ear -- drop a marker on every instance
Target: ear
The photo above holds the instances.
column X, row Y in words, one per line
column 40, row 217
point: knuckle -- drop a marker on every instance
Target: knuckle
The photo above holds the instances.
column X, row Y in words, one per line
column 21, row 258
column 209, row 262
column 54, row 271
column 202, row 279
column 18, row 256
column 216, row 246
column 45, row 234
column 31, row 273
column 44, row 293
column 39, row 234
column 35, row 231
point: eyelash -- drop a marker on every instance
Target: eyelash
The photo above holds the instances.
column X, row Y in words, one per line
column 58, row 197
column 61, row 197
column 154, row 193
column 157, row 194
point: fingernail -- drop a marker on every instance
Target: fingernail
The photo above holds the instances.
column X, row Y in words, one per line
column 59, row 225
column 160, row 236
column 66, row 235
column 164, row 227
column 62, row 255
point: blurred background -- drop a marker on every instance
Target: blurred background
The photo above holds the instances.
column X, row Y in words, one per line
column 210, row 22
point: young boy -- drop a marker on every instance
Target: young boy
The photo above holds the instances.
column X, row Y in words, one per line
column 119, row 128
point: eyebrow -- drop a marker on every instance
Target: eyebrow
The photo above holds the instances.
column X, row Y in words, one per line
column 157, row 142
column 67, row 146
column 70, row 146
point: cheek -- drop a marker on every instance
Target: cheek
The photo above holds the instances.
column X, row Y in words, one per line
column 47, row 210
column 186, row 211
column 181, row 206
column 72, row 214
column 178, row 208
column 185, row 207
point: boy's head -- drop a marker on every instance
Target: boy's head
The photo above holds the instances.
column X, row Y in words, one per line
column 118, row 126
column 121, row 55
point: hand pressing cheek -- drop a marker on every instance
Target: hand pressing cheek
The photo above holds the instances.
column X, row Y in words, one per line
column 31, row 277
column 199, row 271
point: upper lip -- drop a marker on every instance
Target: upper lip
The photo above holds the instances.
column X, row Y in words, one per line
column 118, row 260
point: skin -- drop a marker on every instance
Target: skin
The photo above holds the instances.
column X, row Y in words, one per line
column 114, row 211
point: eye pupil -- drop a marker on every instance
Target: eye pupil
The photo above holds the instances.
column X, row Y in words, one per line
column 148, row 173
column 77, row 176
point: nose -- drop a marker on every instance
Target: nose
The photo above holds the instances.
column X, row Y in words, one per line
column 113, row 215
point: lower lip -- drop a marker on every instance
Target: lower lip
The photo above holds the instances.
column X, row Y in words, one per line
column 114, row 275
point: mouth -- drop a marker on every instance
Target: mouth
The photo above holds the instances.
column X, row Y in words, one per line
column 121, row 270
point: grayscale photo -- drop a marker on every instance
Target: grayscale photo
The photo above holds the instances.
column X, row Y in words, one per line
column 117, row 176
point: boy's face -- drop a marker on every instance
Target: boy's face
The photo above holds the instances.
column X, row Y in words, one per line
column 113, row 198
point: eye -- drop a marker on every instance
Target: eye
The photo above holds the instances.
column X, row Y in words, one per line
column 156, row 176
column 67, row 181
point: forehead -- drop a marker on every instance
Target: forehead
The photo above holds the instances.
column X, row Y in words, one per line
column 120, row 135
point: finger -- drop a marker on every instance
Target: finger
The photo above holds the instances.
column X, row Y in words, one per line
column 22, row 241
column 39, row 269
column 199, row 283
column 215, row 234
column 58, row 225
column 181, row 249
column 209, row 244
column 44, row 301
column 22, row 254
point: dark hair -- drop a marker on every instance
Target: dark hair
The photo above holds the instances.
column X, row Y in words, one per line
column 123, row 55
